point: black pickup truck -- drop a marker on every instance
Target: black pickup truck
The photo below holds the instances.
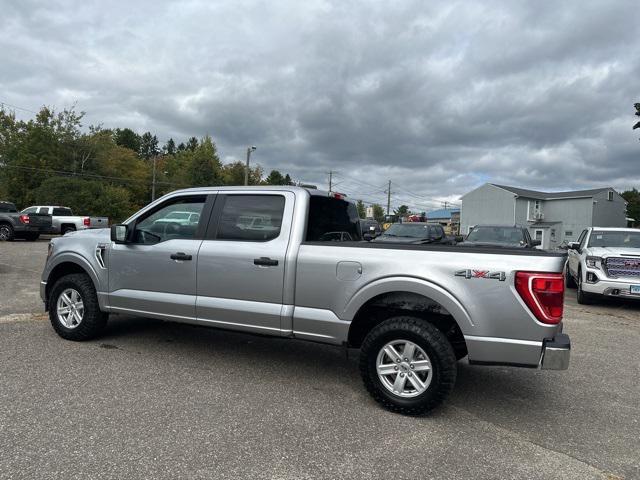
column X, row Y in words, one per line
column 13, row 224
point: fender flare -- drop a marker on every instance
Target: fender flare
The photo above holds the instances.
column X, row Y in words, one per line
column 413, row 285
column 79, row 260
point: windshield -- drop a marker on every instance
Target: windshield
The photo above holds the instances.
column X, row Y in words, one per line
column 496, row 235
column 620, row 239
column 407, row 230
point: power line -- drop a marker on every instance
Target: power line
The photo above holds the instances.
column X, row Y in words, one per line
column 2, row 104
column 66, row 173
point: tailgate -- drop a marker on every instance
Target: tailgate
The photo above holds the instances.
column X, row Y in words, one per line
column 40, row 220
column 99, row 222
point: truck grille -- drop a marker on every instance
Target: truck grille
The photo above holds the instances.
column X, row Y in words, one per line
column 622, row 267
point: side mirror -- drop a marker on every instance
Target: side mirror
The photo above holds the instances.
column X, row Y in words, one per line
column 536, row 243
column 119, row 233
column 367, row 236
column 573, row 246
column 459, row 238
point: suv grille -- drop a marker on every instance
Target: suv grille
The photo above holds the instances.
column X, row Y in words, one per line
column 622, row 267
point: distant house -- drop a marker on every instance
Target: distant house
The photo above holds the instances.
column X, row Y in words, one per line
column 449, row 218
column 552, row 217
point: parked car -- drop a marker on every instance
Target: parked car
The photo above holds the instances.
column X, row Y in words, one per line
column 604, row 262
column 512, row 236
column 371, row 228
column 14, row 224
column 63, row 220
column 180, row 217
column 415, row 233
column 412, row 310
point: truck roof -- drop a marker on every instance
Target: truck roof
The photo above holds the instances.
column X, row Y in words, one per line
column 257, row 188
column 615, row 229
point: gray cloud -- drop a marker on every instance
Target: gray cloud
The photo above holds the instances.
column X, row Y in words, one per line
column 437, row 98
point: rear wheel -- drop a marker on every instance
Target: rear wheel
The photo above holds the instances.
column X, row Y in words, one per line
column 407, row 365
column 6, row 232
column 67, row 228
column 73, row 308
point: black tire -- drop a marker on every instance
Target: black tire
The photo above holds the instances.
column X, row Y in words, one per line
column 67, row 228
column 6, row 232
column 435, row 345
column 569, row 281
column 583, row 298
column 93, row 319
column 31, row 237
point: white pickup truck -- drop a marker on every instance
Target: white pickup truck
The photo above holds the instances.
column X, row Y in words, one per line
column 605, row 262
column 63, row 220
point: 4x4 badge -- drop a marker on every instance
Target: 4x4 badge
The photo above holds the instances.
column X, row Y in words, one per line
column 500, row 276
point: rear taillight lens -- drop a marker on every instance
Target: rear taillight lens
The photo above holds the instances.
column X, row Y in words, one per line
column 86, row 221
column 24, row 219
column 543, row 293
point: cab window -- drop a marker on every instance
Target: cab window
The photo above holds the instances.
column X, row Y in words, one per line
column 250, row 218
column 171, row 221
column 332, row 219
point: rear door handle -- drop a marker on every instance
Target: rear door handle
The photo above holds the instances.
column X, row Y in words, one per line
column 180, row 256
column 265, row 262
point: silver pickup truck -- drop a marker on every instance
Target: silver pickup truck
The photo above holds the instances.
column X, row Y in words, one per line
column 412, row 310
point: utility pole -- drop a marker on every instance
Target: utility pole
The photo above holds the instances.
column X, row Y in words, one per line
column 246, row 171
column 330, row 178
column 389, row 197
column 153, row 181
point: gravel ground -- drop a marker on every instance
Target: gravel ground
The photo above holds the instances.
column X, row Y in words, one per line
column 153, row 399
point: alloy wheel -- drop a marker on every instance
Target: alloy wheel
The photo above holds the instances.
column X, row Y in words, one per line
column 70, row 308
column 404, row 368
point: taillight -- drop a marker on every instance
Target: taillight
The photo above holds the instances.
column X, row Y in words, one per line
column 86, row 221
column 24, row 219
column 543, row 293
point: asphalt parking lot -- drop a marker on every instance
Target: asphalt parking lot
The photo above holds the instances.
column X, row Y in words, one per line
column 153, row 399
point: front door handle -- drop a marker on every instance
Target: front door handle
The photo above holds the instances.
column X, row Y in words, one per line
column 265, row 262
column 180, row 256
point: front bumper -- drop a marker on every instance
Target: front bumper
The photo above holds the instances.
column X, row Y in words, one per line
column 556, row 352
column 611, row 287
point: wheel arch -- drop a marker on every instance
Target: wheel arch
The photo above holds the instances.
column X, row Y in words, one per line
column 407, row 296
column 68, row 264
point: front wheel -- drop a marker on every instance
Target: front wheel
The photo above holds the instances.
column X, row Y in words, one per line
column 408, row 365
column 583, row 298
column 74, row 310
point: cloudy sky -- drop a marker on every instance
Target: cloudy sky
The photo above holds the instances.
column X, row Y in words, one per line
column 438, row 97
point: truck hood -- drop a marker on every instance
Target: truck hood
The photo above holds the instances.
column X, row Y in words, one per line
column 100, row 234
column 613, row 252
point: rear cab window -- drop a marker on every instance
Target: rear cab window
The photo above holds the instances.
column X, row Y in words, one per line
column 62, row 212
column 332, row 220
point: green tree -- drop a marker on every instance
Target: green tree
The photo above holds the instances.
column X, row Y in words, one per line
column 127, row 138
column 276, row 178
column 204, row 168
column 233, row 174
column 91, row 197
column 148, row 146
column 362, row 210
column 633, row 204
column 402, row 210
column 192, row 144
column 170, row 147
column 378, row 213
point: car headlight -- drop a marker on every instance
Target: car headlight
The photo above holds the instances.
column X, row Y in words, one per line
column 594, row 262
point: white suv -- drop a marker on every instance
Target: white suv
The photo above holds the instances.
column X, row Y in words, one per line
column 605, row 261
